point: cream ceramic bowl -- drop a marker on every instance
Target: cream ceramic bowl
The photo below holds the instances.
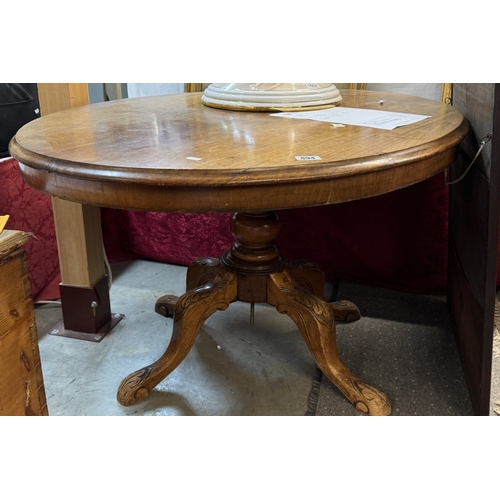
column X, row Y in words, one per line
column 271, row 96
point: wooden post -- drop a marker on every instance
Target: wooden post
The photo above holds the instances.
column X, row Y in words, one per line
column 84, row 291
column 58, row 96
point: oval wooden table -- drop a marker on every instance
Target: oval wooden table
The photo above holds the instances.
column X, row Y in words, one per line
column 171, row 153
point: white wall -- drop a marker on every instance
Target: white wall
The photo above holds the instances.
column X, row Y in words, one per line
column 427, row 90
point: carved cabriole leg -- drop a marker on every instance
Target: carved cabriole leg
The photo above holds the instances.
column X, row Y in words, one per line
column 316, row 322
column 191, row 311
column 200, row 272
column 308, row 276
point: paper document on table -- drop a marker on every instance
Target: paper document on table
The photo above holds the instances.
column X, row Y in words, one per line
column 387, row 120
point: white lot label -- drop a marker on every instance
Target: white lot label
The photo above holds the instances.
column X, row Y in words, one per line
column 302, row 158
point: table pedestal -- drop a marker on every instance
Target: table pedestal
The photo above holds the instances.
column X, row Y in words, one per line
column 255, row 271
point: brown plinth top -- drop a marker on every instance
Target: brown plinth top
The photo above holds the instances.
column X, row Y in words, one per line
column 171, row 153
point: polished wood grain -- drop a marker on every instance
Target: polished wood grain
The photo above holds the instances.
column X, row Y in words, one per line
column 171, row 153
column 21, row 382
column 138, row 153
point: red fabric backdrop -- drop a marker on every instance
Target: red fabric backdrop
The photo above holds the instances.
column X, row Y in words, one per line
column 31, row 211
column 398, row 240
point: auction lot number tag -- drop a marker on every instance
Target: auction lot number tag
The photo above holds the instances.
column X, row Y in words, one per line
column 302, row 158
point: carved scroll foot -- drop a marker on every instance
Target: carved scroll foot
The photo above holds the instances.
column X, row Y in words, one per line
column 191, row 310
column 316, row 321
column 165, row 305
column 344, row 310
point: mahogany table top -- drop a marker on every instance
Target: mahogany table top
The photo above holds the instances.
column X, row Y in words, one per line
column 171, row 153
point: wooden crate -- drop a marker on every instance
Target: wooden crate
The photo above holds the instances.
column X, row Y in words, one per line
column 21, row 382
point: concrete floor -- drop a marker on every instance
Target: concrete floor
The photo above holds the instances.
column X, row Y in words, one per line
column 233, row 368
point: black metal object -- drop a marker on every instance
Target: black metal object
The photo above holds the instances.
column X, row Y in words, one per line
column 18, row 105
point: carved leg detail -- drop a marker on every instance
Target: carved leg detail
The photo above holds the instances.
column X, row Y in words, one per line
column 165, row 305
column 200, row 272
column 308, row 276
column 191, row 310
column 316, row 322
column 344, row 310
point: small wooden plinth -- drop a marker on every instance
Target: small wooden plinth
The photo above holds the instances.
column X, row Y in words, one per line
column 254, row 271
